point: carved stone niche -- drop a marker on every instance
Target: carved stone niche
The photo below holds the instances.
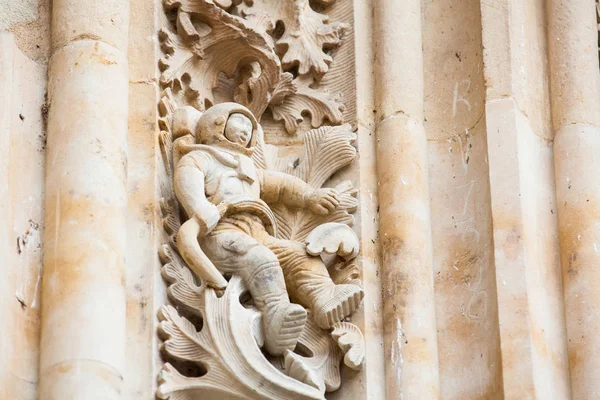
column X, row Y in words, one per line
column 258, row 255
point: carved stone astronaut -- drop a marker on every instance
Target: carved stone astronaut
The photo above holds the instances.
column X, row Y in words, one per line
column 231, row 228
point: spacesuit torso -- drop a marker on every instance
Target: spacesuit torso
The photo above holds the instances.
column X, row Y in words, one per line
column 227, row 176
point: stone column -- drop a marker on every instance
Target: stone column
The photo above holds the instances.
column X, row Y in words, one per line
column 410, row 338
column 83, row 293
column 575, row 89
column 525, row 233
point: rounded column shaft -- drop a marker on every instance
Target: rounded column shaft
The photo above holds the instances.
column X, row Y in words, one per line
column 575, row 89
column 410, row 337
column 83, row 294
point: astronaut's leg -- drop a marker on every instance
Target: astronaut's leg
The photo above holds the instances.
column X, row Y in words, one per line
column 237, row 252
column 309, row 284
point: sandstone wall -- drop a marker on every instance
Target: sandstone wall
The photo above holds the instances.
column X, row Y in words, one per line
column 478, row 138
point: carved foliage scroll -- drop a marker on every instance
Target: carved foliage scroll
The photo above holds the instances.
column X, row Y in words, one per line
column 261, row 53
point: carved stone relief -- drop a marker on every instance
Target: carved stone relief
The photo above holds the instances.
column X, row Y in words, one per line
column 258, row 254
column 263, row 54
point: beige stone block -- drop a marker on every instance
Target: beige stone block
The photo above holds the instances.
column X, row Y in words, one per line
column 87, row 119
column 453, row 68
column 22, row 150
column 145, row 291
column 575, row 80
column 463, row 267
column 106, row 21
column 142, row 49
column 515, row 58
column 81, row 379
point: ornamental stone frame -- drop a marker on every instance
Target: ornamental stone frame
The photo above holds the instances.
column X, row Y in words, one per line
column 261, row 218
column 299, row 199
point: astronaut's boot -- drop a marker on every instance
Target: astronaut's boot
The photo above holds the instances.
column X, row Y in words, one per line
column 282, row 321
column 329, row 303
column 341, row 302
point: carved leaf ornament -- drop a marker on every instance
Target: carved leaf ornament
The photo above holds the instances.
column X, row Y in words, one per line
column 213, row 340
column 202, row 40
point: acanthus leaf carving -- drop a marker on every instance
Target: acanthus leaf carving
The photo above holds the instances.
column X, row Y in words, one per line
column 206, row 41
column 307, row 37
column 319, row 366
column 333, row 238
column 319, row 104
column 226, row 347
column 351, row 341
column 326, row 150
column 203, row 41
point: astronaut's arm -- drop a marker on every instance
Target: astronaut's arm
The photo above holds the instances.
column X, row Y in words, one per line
column 204, row 216
column 278, row 187
column 189, row 188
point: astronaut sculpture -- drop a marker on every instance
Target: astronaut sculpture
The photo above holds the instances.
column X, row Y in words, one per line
column 231, row 228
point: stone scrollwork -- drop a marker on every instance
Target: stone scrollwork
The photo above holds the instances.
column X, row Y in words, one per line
column 237, row 50
column 258, row 254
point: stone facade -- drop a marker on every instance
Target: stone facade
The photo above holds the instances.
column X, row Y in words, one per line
column 341, row 199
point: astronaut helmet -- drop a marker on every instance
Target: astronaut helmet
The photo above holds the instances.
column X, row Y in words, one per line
column 212, row 125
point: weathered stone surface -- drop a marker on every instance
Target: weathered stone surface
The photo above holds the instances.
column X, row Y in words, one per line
column 22, row 151
column 458, row 144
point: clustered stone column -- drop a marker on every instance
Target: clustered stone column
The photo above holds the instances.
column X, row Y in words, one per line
column 410, row 337
column 575, row 85
column 525, row 234
column 83, row 306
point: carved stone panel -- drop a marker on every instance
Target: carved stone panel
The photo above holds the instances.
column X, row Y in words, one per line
column 258, row 250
